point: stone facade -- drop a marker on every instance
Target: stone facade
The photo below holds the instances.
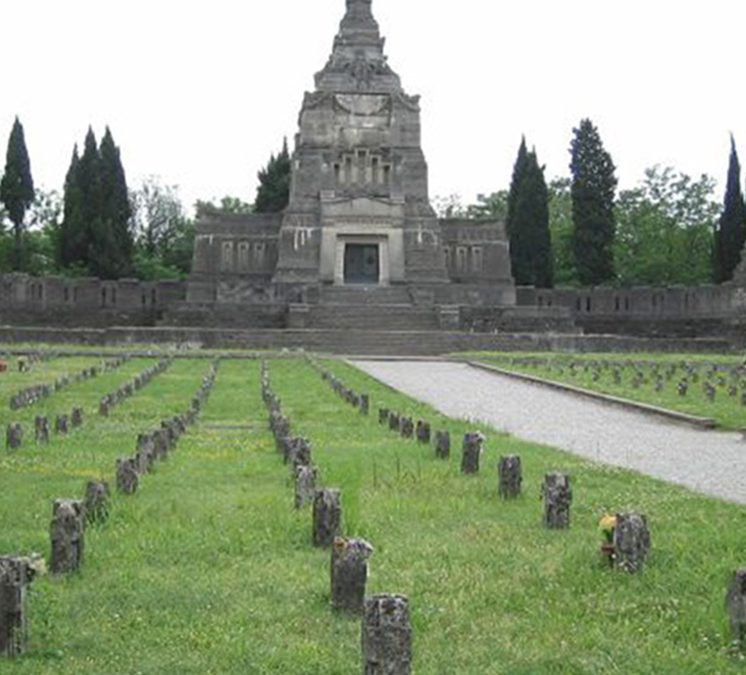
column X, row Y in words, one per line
column 359, row 212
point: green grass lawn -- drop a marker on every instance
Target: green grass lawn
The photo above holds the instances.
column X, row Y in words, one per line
column 592, row 372
column 209, row 569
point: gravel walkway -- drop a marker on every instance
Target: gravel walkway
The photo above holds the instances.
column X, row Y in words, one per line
column 710, row 462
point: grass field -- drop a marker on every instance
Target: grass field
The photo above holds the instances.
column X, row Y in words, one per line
column 638, row 376
column 209, row 569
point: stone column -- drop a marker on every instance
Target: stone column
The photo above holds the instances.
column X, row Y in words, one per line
column 510, row 477
column 67, row 535
column 386, row 636
column 631, row 541
column 327, row 517
column 14, row 578
column 472, row 450
column 557, row 499
column 349, row 572
column 127, row 477
column 305, row 485
column 97, row 501
column 735, row 601
column 443, row 444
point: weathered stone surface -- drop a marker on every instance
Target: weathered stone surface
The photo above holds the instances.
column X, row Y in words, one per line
column 104, row 406
column 61, row 424
column 327, row 517
column 305, row 485
column 386, row 636
column 15, row 576
column 423, row 431
column 349, row 572
column 406, row 427
column 472, row 450
column 67, row 535
column 145, row 454
column 14, row 436
column 631, row 541
column 128, row 479
column 557, row 496
column 41, row 429
column 97, row 501
column 510, row 477
column 735, row 601
column 443, row 444
column 297, row 451
column 76, row 418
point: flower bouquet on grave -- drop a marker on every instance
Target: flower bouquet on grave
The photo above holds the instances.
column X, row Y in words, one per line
column 607, row 524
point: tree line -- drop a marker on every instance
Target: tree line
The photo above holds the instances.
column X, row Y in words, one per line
column 579, row 231
column 99, row 226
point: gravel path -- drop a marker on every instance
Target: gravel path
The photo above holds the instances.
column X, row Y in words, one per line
column 710, row 462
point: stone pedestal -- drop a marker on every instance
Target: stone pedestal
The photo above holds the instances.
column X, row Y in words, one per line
column 14, row 579
column 327, row 517
column 305, row 485
column 127, row 476
column 557, row 496
column 97, row 501
column 67, row 535
column 472, row 451
column 386, row 636
column 735, row 601
column 349, row 572
column 510, row 477
column 631, row 541
column 443, row 444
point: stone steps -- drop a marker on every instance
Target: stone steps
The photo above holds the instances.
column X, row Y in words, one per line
column 362, row 295
column 372, row 317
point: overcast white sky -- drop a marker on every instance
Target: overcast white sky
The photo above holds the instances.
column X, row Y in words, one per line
column 200, row 93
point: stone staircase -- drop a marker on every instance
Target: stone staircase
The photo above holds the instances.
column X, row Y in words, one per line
column 370, row 308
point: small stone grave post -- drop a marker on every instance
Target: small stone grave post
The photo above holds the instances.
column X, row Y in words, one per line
column 407, row 427
column 631, row 541
column 349, row 572
column 67, row 535
column 735, row 601
column 61, row 424
column 394, row 421
column 387, row 636
column 96, row 501
column 443, row 444
column 364, row 404
column 305, row 485
column 14, row 436
column 472, row 449
column 76, row 418
column 383, row 415
column 127, row 477
column 327, row 517
column 423, row 432
column 15, row 575
column 41, row 428
column 510, row 477
column 557, row 496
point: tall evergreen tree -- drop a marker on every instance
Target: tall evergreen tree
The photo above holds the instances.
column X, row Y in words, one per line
column 17, row 188
column 530, row 241
column 72, row 247
column 519, row 171
column 731, row 229
column 593, row 189
column 112, row 244
column 273, row 193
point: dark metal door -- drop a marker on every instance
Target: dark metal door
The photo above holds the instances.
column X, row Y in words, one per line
column 361, row 264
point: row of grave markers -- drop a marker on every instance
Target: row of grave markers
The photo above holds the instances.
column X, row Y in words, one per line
column 386, row 630
column 31, row 395
column 130, row 388
column 70, row 516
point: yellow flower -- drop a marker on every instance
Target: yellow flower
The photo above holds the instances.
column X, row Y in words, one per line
column 607, row 523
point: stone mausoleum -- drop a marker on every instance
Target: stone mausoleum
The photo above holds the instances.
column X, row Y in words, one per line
column 359, row 227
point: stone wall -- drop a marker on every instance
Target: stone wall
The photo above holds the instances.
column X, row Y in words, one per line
column 85, row 301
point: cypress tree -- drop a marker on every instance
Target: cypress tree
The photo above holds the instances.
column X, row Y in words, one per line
column 112, row 242
column 17, row 188
column 530, row 241
column 273, row 193
column 593, row 188
column 519, row 170
column 72, row 242
column 731, row 229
